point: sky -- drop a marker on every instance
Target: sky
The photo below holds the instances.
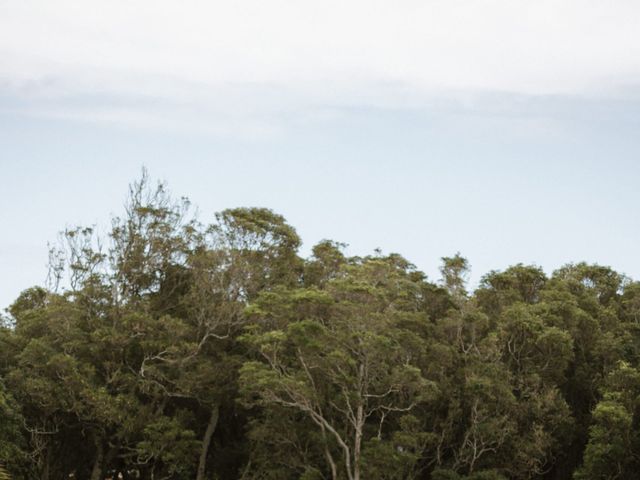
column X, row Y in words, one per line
column 507, row 130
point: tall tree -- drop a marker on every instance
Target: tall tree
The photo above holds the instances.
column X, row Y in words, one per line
column 338, row 358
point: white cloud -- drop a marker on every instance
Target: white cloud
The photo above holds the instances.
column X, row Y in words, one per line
column 330, row 52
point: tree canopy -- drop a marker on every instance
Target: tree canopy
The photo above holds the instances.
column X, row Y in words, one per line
column 176, row 349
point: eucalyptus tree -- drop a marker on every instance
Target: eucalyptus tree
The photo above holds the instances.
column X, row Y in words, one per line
column 613, row 449
column 168, row 348
column 339, row 360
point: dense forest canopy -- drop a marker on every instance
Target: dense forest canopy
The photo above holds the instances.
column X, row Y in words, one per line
column 173, row 349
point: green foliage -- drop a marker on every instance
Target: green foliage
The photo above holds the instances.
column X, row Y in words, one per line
column 174, row 349
column 171, row 446
column 337, row 359
column 13, row 444
column 612, row 450
column 454, row 272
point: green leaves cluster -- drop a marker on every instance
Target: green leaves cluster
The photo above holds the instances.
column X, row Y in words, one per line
column 178, row 350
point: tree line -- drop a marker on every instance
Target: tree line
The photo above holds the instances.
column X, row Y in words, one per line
column 173, row 349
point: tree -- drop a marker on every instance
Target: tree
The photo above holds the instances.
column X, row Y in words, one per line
column 173, row 348
column 613, row 448
column 336, row 356
column 454, row 272
column 13, row 444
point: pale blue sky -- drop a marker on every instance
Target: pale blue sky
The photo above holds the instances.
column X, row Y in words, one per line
column 507, row 137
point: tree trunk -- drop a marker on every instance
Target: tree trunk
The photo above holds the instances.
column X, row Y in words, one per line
column 96, row 472
column 45, row 467
column 357, row 446
column 206, row 441
column 329, row 457
column 332, row 463
column 359, row 422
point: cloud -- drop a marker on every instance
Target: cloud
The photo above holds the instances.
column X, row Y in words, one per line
column 251, row 59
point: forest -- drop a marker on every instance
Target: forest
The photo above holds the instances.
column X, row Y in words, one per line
column 172, row 348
